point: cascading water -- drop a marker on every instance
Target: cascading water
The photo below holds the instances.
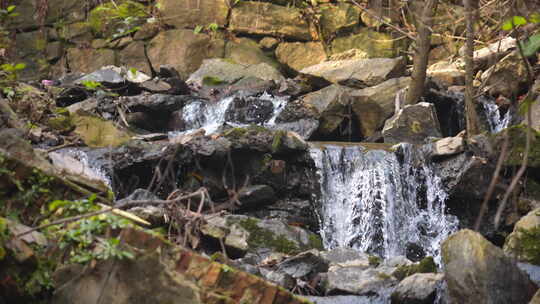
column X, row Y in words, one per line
column 85, row 165
column 495, row 120
column 379, row 201
column 210, row 116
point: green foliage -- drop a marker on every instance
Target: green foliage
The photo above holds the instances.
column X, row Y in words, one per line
column 9, row 74
column 531, row 45
column 117, row 20
column 91, row 85
column 85, row 239
column 529, row 244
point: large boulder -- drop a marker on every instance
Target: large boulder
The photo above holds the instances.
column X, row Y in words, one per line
column 331, row 104
column 222, row 71
column 338, row 17
column 446, row 73
column 524, row 242
column 189, row 14
column 183, row 49
column 269, row 20
column 507, row 78
column 353, row 279
column 373, row 105
column 477, row 271
column 298, row 55
column 413, row 124
column 89, row 60
column 419, row 288
column 247, row 52
column 375, row 44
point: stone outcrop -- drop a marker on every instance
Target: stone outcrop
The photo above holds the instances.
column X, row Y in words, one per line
column 413, row 124
column 298, row 55
column 474, row 269
column 375, row 44
column 189, row 14
column 524, row 241
column 419, row 288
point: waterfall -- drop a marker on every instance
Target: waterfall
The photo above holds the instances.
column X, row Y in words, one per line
column 381, row 202
column 210, row 116
column 493, row 115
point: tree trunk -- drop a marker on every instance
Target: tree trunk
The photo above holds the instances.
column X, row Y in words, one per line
column 471, row 116
column 421, row 54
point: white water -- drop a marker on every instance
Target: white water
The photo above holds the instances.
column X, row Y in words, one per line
column 210, row 116
column 92, row 170
column 495, row 121
column 373, row 202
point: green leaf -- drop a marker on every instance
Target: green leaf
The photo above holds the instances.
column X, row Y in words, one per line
column 514, row 22
column 531, row 46
column 198, row 29
column 10, row 8
column 534, row 18
column 20, row 66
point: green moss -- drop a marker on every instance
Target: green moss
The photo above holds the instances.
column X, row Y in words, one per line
column 426, row 265
column 315, row 242
column 528, row 245
column 518, row 136
column 416, row 127
column 61, row 123
column 235, row 133
column 374, row 260
column 278, row 140
column 259, row 238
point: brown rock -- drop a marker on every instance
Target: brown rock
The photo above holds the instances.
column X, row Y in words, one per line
column 191, row 13
column 298, row 55
column 89, row 60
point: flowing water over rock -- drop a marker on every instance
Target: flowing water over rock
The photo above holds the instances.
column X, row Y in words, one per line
column 382, row 202
column 496, row 121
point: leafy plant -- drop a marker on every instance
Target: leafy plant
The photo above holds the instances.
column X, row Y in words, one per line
column 532, row 45
column 117, row 20
column 91, row 85
column 9, row 74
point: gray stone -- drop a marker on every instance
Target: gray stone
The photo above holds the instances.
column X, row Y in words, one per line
column 513, row 245
column 446, row 73
column 358, row 73
column 477, row 271
column 344, row 255
column 256, row 196
column 507, row 77
column 306, row 264
column 412, row 124
column 358, row 280
column 419, row 288
column 448, row 146
column 373, row 105
column 280, row 278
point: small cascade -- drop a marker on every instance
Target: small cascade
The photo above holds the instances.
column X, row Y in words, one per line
column 379, row 201
column 210, row 116
column 495, row 120
column 86, row 166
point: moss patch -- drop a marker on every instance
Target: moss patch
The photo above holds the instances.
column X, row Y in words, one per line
column 426, row 265
column 261, row 238
column 528, row 245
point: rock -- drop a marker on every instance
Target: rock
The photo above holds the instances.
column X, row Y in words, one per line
column 375, row 44
column 271, row 20
column 243, row 234
column 189, row 14
column 183, row 49
column 446, row 73
column 269, row 43
column 304, row 265
column 96, row 132
column 536, row 298
column 298, row 117
column 258, row 138
column 533, row 271
column 535, row 108
column 256, row 196
column 249, row 110
column 345, row 255
column 331, row 103
column 358, row 73
column 107, row 76
column 156, row 267
column 346, row 299
column 474, row 268
column 485, row 57
column 420, row 288
column 337, row 17
column 133, row 57
column 448, row 146
column 348, row 55
column 67, row 163
column 357, row 280
column 373, row 105
column 520, row 244
column 298, row 55
column 54, row 50
column 506, row 78
column 280, row 278
column 78, row 33
column 247, row 52
column 151, row 213
column 89, row 60
column 413, row 124
column 223, row 71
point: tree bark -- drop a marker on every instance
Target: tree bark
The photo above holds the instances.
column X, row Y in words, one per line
column 421, row 54
column 471, row 117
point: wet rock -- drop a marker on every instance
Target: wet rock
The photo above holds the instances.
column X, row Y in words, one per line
column 532, row 270
column 256, row 196
column 358, row 280
column 507, row 78
column 191, row 14
column 296, row 212
column 304, row 127
column 243, row 234
column 280, row 278
column 264, row 140
column 474, row 268
column 375, row 44
column 358, row 73
column 294, row 87
column 448, row 146
column 331, row 103
column 298, row 117
column 520, row 244
column 304, row 265
column 373, row 105
column 298, row 55
column 220, row 71
column 67, row 163
column 183, row 49
column 346, row 299
column 272, row 20
column 347, row 255
column 249, row 110
column 420, row 288
column 413, row 124
column 107, row 76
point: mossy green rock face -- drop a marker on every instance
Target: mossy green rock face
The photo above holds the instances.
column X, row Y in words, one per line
column 189, row 13
column 477, row 271
column 96, row 132
column 375, row 44
column 524, row 242
column 298, row 55
column 269, row 20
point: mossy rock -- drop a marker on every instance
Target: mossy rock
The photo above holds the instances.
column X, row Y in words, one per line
column 426, row 265
column 97, row 132
column 61, row 123
column 517, row 142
